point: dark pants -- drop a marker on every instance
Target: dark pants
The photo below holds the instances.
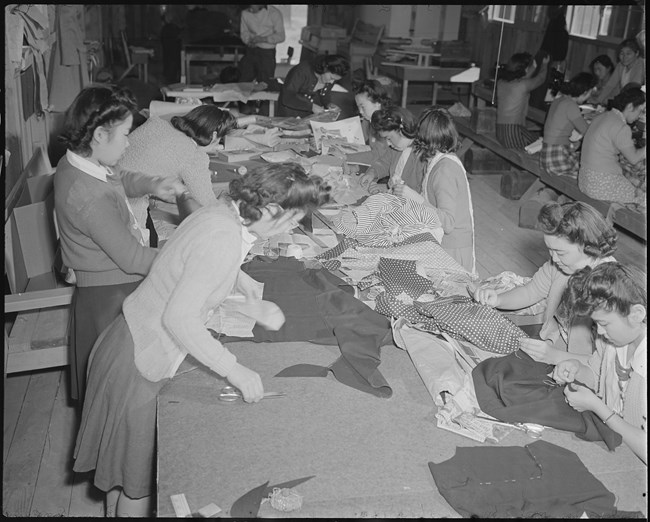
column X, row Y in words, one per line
column 93, row 309
column 257, row 65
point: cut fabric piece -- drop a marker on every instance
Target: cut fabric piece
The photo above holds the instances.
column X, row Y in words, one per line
column 400, row 276
column 538, row 480
column 385, row 219
column 317, row 308
column 516, row 388
column 479, row 324
column 248, row 505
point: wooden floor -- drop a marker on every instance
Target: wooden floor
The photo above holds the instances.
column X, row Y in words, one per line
column 40, row 424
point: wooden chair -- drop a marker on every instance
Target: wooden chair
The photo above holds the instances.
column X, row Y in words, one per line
column 39, row 334
column 136, row 57
column 361, row 43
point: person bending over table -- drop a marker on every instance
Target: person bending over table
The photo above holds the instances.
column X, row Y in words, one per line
column 559, row 155
column 615, row 376
column 602, row 68
column 514, row 85
column 576, row 236
column 397, row 126
column 100, row 238
column 308, row 85
column 178, row 150
column 629, row 69
column 609, row 157
column 445, row 184
column 371, row 96
column 164, row 320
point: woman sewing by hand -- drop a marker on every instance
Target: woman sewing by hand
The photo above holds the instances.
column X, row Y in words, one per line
column 308, row 85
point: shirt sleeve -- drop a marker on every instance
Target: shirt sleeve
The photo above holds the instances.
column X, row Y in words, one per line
column 444, row 185
column 244, row 32
column 208, row 273
column 537, row 80
column 575, row 117
column 540, row 284
column 198, row 179
column 103, row 223
column 278, row 35
column 610, row 87
column 296, row 86
column 136, row 184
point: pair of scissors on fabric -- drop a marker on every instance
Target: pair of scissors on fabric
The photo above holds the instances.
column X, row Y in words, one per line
column 231, row 394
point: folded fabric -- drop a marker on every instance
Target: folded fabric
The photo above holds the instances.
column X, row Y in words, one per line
column 516, row 388
column 317, row 308
column 540, row 480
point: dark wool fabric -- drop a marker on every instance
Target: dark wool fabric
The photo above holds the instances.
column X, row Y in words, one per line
column 516, row 388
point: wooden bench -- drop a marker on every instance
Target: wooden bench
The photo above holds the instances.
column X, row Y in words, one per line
column 38, row 337
column 634, row 222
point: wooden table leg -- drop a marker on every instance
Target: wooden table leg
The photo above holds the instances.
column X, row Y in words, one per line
column 435, row 93
column 271, row 108
column 405, row 88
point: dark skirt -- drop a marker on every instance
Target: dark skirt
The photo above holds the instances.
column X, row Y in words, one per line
column 117, row 437
column 93, row 309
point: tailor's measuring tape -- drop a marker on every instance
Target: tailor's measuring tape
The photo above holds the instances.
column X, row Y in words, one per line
column 181, row 507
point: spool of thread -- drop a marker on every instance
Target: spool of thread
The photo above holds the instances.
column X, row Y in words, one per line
column 294, row 251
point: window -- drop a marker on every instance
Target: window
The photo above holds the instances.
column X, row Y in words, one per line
column 502, row 13
column 604, row 22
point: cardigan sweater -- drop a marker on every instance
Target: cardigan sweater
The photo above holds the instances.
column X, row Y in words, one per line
column 198, row 268
column 99, row 238
column 563, row 116
column 606, row 136
column 157, row 148
column 297, row 93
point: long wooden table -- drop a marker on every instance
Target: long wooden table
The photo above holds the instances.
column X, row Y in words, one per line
column 197, row 92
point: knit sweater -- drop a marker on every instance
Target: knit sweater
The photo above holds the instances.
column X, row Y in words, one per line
column 98, row 235
column 157, row 148
column 563, row 116
column 297, row 95
column 194, row 273
column 606, row 136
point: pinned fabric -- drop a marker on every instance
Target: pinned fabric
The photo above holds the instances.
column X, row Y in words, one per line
column 516, row 388
column 248, row 505
column 317, row 309
column 538, row 480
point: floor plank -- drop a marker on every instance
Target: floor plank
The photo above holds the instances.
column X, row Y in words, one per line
column 21, row 469
column 14, row 395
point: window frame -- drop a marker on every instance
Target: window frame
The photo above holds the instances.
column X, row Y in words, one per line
column 492, row 17
column 629, row 11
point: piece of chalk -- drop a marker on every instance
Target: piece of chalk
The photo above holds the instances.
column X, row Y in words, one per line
column 209, row 511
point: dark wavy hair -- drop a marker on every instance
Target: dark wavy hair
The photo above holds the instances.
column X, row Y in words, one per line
column 603, row 60
column 95, row 106
column 516, row 67
column 332, row 63
column 633, row 95
column 630, row 43
column 612, row 287
column 579, row 224
column 579, row 84
column 285, row 184
column 394, row 119
column 375, row 92
column 435, row 132
column 202, row 121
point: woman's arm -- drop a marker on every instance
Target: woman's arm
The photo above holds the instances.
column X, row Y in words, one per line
column 297, row 84
column 576, row 118
column 611, row 85
column 197, row 178
column 443, row 186
column 540, row 77
column 625, row 145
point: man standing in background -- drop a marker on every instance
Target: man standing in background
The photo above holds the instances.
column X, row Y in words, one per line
column 261, row 29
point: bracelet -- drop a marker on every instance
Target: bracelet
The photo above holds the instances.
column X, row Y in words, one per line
column 610, row 416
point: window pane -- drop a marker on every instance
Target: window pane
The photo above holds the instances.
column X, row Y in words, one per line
column 614, row 24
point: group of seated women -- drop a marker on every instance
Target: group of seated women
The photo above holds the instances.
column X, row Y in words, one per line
column 139, row 311
column 599, row 151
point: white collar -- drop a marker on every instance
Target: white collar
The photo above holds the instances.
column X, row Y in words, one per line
column 640, row 358
column 96, row 171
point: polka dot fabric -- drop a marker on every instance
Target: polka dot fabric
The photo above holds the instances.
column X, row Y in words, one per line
column 400, row 276
column 479, row 324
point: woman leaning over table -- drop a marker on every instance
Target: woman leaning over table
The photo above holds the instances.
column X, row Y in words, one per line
column 308, row 85
column 576, row 236
column 629, row 69
column 607, row 142
column 163, row 321
column 178, row 150
column 100, row 239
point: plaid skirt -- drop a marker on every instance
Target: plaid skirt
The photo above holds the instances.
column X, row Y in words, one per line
column 561, row 160
column 514, row 136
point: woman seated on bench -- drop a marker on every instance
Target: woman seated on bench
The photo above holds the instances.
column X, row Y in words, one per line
column 576, row 236
column 559, row 155
column 308, row 86
column 602, row 68
column 629, row 69
column 607, row 143
column 514, row 85
column 445, row 184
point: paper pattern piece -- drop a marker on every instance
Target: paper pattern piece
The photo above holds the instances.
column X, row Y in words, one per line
column 248, row 505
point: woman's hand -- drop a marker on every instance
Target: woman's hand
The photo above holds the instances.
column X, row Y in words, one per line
column 168, row 188
column 566, row 371
column 404, row 191
column 486, row 296
column 582, row 398
column 541, row 351
column 247, row 381
column 317, row 109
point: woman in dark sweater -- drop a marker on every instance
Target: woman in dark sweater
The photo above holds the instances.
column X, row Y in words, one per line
column 308, row 85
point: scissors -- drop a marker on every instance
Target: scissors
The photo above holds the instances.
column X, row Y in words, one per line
column 231, row 394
